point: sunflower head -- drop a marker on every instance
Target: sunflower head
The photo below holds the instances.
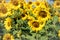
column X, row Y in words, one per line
column 8, row 37
column 56, row 4
column 30, row 2
column 0, row 1
column 37, row 3
column 43, row 4
column 25, row 12
column 29, row 7
column 23, row 16
column 14, row 2
column 43, row 14
column 7, row 24
column 23, row 5
column 3, row 10
column 36, row 25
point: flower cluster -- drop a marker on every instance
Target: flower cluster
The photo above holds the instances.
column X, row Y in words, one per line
column 32, row 20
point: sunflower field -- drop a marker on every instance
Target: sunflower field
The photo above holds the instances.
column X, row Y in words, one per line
column 29, row 19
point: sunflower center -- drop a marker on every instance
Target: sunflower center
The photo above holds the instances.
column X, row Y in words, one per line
column 42, row 14
column 41, row 23
column 9, row 23
column 58, row 3
column 35, row 24
column 21, row 5
column 8, row 38
column 28, row 7
column 15, row 2
column 3, row 9
column 37, row 3
column 25, row 12
column 23, row 15
column 30, row 2
column 0, row 1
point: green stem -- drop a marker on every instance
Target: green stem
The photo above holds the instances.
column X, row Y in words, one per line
column 36, row 36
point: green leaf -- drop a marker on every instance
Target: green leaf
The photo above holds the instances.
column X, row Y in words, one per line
column 1, row 24
column 49, row 22
column 44, row 38
column 57, row 27
column 55, row 19
column 14, row 32
column 19, row 22
column 30, row 37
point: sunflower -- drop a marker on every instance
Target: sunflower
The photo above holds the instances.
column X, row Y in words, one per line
column 8, row 36
column 37, row 3
column 29, row 5
column 36, row 25
column 30, row 2
column 59, row 33
column 2, row 1
column 7, row 23
column 56, row 4
column 23, row 15
column 7, row 3
column 23, row 5
column 4, row 10
column 43, row 4
column 36, row 9
column 42, row 14
column 14, row 4
column 39, row 8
